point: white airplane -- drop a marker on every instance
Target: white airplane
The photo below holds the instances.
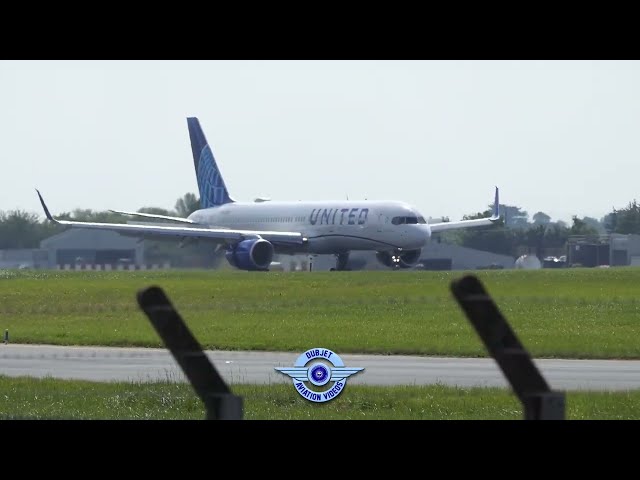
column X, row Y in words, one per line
column 252, row 232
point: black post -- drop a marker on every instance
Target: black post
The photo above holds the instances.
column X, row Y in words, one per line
column 538, row 401
column 219, row 402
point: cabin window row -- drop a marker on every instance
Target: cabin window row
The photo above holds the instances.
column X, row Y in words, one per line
column 267, row 220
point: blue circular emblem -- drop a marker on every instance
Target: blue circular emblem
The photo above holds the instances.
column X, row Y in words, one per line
column 319, row 367
column 319, row 374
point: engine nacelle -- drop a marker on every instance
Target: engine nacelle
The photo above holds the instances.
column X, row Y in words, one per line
column 253, row 254
column 405, row 259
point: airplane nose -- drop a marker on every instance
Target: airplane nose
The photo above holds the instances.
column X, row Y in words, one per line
column 425, row 229
column 417, row 236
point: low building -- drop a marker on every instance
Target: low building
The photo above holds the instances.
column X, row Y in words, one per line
column 624, row 249
column 588, row 250
column 597, row 250
column 78, row 246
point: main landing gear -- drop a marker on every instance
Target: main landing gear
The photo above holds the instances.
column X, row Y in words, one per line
column 341, row 261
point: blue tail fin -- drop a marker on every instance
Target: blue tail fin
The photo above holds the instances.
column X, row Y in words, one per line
column 213, row 191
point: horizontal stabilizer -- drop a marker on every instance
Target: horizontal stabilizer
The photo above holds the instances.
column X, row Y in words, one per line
column 153, row 215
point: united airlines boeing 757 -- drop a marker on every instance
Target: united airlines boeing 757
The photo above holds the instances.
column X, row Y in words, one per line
column 252, row 232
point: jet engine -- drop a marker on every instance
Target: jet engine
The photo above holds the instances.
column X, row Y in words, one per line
column 404, row 259
column 253, row 254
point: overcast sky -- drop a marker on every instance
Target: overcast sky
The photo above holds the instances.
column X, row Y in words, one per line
column 562, row 137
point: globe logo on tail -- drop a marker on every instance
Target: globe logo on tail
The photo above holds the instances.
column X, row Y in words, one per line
column 319, row 367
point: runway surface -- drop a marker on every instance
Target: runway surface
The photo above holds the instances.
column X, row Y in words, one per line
column 146, row 364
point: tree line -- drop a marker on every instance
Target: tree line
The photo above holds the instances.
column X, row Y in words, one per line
column 22, row 229
column 516, row 232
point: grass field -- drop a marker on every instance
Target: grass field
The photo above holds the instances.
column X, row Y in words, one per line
column 24, row 398
column 571, row 313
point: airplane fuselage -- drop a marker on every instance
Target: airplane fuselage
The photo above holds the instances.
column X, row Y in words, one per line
column 329, row 226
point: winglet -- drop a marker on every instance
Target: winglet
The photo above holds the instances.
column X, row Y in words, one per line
column 496, row 207
column 46, row 210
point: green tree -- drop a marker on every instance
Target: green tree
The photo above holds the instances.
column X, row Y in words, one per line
column 514, row 217
column 541, row 218
column 88, row 215
column 556, row 235
column 187, row 204
column 580, row 227
column 474, row 216
column 610, row 221
column 491, row 238
column 628, row 219
column 534, row 237
column 595, row 223
column 158, row 211
column 20, row 229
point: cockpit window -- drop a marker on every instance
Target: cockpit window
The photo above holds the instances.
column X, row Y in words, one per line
column 407, row 220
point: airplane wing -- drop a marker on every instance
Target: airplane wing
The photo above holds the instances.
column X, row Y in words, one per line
column 478, row 222
column 221, row 235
